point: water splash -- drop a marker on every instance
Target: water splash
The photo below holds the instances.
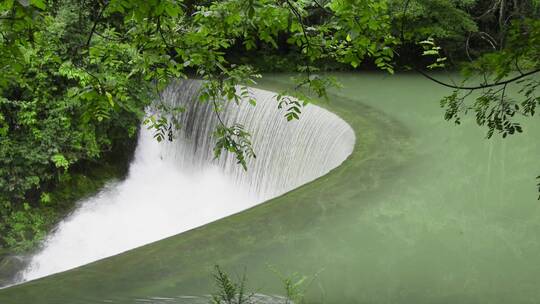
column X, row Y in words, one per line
column 176, row 186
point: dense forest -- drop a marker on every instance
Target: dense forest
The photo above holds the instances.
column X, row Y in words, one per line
column 77, row 76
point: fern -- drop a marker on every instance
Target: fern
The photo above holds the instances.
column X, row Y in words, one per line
column 230, row 292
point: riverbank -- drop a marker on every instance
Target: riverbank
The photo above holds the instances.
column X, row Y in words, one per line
column 83, row 180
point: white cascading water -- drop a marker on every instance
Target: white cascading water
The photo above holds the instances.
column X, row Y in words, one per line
column 176, row 186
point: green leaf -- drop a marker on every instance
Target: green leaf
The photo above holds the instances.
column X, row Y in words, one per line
column 6, row 5
column 60, row 161
column 172, row 10
column 39, row 4
column 110, row 98
column 430, row 52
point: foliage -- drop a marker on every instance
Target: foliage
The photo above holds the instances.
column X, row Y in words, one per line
column 494, row 107
column 292, row 106
column 447, row 22
column 294, row 288
column 163, row 120
column 512, row 59
column 230, row 292
column 512, row 32
column 236, row 140
column 78, row 75
column 60, row 104
column 430, row 49
column 23, row 227
column 295, row 285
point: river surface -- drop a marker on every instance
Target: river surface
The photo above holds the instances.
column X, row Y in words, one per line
column 460, row 223
column 424, row 211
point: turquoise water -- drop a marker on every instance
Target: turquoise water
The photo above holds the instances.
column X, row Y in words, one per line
column 459, row 223
column 423, row 212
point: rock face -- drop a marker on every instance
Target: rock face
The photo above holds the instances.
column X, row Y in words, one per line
column 9, row 268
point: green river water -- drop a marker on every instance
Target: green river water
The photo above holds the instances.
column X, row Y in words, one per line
column 423, row 211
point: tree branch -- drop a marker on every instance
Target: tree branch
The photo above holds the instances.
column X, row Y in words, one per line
column 453, row 86
column 483, row 86
column 95, row 25
column 308, row 45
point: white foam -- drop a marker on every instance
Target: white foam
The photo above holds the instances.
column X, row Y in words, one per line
column 174, row 187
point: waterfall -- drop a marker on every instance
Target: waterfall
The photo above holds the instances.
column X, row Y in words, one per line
column 175, row 186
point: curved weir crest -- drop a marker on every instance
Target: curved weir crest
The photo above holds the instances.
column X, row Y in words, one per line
column 176, row 186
